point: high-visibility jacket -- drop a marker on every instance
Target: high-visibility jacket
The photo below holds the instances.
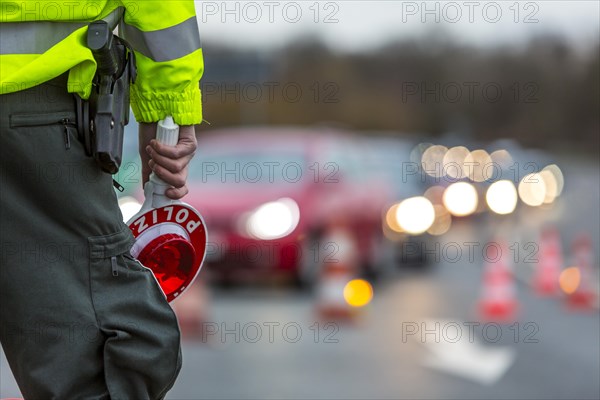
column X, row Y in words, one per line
column 42, row 39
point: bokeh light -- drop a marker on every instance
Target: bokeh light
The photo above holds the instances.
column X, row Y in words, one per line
column 391, row 220
column 416, row 154
column 358, row 293
column 532, row 190
column 453, row 162
column 501, row 197
column 415, row 215
column 433, row 159
column 435, row 194
column 569, row 280
column 274, row 219
column 479, row 167
column 460, row 199
column 550, row 185
column 502, row 158
column 558, row 176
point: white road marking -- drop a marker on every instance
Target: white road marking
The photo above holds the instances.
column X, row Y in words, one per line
column 465, row 357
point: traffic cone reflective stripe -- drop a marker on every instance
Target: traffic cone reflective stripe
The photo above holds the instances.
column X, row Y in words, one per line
column 550, row 263
column 584, row 296
column 498, row 301
column 336, row 273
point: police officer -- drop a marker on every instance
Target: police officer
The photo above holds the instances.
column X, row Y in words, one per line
column 79, row 317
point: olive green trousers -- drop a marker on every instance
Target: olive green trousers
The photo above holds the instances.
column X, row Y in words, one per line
column 79, row 317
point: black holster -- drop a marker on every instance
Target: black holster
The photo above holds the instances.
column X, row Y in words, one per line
column 102, row 118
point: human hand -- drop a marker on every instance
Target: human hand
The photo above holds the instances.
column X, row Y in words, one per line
column 170, row 163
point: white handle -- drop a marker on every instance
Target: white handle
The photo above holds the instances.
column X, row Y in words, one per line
column 167, row 132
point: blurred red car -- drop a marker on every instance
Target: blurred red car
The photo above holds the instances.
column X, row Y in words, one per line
column 270, row 196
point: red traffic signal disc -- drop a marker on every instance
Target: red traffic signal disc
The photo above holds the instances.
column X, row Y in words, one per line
column 170, row 241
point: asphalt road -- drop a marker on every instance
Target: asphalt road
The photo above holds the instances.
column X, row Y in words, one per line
column 268, row 343
column 556, row 356
column 553, row 353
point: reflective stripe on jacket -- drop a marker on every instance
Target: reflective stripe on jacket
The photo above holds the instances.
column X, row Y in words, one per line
column 40, row 40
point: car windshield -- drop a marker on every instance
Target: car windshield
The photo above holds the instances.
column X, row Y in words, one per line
column 258, row 168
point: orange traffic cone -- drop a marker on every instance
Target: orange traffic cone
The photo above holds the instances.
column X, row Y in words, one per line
column 337, row 271
column 498, row 301
column 550, row 263
column 583, row 295
column 192, row 310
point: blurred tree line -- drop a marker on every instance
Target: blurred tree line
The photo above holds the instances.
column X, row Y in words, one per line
column 545, row 93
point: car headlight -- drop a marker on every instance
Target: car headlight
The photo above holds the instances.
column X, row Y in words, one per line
column 273, row 220
column 460, row 199
column 415, row 215
column 501, row 197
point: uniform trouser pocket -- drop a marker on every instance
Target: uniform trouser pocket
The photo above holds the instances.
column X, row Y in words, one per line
column 142, row 355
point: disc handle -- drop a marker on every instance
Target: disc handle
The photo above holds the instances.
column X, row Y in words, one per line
column 167, row 132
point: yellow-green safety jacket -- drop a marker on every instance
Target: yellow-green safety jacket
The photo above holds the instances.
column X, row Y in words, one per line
column 42, row 39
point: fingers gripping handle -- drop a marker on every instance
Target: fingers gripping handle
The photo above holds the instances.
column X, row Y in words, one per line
column 167, row 132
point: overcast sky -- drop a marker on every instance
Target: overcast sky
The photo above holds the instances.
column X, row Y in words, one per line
column 355, row 25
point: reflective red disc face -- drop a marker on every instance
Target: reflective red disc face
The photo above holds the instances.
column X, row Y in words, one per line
column 171, row 257
column 174, row 260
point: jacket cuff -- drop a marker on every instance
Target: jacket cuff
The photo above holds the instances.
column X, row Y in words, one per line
column 185, row 107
